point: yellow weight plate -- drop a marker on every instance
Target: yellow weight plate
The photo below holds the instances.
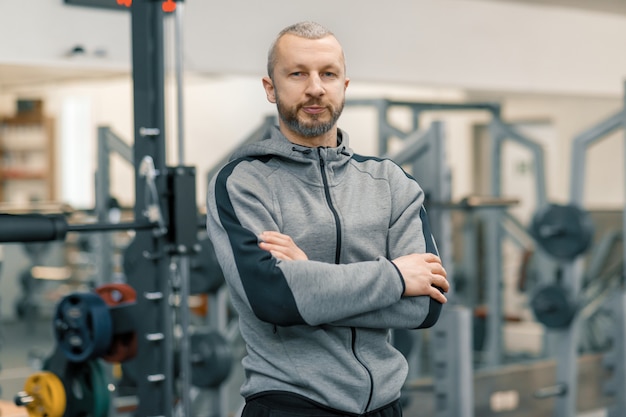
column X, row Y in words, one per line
column 48, row 395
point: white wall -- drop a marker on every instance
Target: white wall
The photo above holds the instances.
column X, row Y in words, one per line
column 604, row 186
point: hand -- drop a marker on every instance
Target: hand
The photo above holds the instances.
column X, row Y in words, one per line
column 423, row 274
column 281, row 246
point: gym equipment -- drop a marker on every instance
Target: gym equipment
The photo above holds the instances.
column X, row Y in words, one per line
column 563, row 231
column 553, row 306
column 85, row 385
column 26, row 306
column 211, row 359
column 567, row 340
column 66, row 388
column 43, row 395
column 43, row 228
column 205, row 273
column 120, row 298
column 99, row 324
column 82, row 326
column 165, row 225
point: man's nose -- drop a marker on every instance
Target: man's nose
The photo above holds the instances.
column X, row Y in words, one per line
column 315, row 86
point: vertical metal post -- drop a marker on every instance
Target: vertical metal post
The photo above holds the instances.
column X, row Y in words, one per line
column 184, row 263
column 104, row 269
column 567, row 348
column 185, row 321
column 452, row 354
column 452, row 340
column 493, row 254
column 179, row 46
column 155, row 364
column 493, row 271
column 383, row 122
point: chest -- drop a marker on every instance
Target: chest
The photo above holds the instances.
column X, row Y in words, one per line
column 353, row 218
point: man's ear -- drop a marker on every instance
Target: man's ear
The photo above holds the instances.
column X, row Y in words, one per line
column 268, row 85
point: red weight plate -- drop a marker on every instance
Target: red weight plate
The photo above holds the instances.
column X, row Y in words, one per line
column 115, row 294
column 123, row 346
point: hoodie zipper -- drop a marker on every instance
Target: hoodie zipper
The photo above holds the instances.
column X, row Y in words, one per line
column 331, row 206
column 329, row 201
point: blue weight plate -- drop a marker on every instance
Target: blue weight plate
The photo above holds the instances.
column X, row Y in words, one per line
column 82, row 326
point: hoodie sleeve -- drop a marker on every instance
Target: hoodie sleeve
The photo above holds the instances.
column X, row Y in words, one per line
column 239, row 207
column 409, row 233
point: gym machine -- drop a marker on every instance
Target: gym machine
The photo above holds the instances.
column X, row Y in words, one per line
column 565, row 232
column 166, row 231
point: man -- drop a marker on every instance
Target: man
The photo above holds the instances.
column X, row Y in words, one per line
column 324, row 251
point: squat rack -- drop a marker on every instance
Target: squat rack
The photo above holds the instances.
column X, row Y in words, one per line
column 165, row 214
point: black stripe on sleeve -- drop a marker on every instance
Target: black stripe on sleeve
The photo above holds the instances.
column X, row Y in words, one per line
column 265, row 285
column 434, row 309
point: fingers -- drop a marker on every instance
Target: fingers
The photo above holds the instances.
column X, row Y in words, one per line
column 437, row 295
column 431, row 257
column 276, row 238
column 423, row 275
column 281, row 246
column 440, row 282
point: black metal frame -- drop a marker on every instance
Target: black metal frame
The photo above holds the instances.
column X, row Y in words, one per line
column 156, row 381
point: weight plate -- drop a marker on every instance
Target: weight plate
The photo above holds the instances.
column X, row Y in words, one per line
column 82, row 326
column 211, row 359
column 205, row 275
column 123, row 345
column 116, row 294
column 85, row 385
column 99, row 389
column 563, row 231
column 553, row 307
column 48, row 395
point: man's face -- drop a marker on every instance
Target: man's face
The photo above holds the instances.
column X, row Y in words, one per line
column 308, row 87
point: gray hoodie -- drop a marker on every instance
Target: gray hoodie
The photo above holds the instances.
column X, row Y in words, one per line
column 320, row 328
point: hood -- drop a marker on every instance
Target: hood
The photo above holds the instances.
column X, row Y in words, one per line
column 278, row 145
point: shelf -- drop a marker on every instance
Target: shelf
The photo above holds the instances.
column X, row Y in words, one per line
column 22, row 175
column 27, row 164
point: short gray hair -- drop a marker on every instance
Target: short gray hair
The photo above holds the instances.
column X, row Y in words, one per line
column 307, row 29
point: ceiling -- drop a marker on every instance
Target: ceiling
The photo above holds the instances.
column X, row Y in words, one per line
column 15, row 76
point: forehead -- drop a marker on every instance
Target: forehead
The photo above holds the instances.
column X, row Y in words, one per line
column 295, row 50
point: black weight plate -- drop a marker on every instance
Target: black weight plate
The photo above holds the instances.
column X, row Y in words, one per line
column 563, row 231
column 211, row 359
column 553, row 307
column 206, row 275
